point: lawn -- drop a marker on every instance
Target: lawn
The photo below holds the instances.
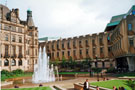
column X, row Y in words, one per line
column 109, row 84
column 3, row 77
column 37, row 88
column 73, row 72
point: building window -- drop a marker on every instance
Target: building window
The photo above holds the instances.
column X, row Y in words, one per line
column 87, row 51
column 13, row 49
column 6, row 50
column 93, row 42
column 100, row 41
column 103, row 64
column 13, row 38
column 74, row 53
column 68, row 44
column 36, row 52
column 20, row 39
column 13, row 20
column 52, row 54
column 13, row 62
column 80, row 52
column 52, row 46
column 6, row 27
column 62, row 53
column 80, row 42
column 86, row 42
column 36, row 42
column 19, row 30
column 20, row 50
column 94, row 51
column 20, row 62
column 0, row 63
column 30, row 33
column 13, row 28
column 62, row 45
column 101, row 50
column 68, row 53
column 129, row 26
column 57, row 54
column 131, row 42
column 74, row 44
column 6, row 37
column 57, row 46
column 109, row 49
column 6, row 63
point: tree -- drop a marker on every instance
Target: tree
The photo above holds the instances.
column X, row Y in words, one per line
column 63, row 64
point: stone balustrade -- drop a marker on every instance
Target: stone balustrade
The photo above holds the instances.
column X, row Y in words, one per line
column 79, row 86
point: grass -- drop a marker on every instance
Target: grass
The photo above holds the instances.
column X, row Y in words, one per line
column 37, row 88
column 126, row 74
column 109, row 84
column 73, row 72
column 4, row 77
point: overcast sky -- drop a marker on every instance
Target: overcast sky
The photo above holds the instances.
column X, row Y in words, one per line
column 68, row 18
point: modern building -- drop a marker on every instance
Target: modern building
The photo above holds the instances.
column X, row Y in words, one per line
column 115, row 47
column 18, row 40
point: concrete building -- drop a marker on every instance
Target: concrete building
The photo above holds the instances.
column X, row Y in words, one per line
column 115, row 47
column 18, row 40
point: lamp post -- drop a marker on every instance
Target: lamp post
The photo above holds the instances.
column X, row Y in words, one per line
column 97, row 68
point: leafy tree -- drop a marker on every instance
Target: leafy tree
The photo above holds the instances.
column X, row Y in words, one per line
column 56, row 62
column 63, row 64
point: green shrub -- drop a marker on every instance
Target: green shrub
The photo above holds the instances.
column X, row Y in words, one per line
column 5, row 72
column 18, row 71
column 111, row 70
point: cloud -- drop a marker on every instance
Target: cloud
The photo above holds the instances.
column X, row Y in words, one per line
column 67, row 18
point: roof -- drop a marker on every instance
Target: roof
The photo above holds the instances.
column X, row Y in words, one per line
column 115, row 20
column 43, row 39
column 48, row 38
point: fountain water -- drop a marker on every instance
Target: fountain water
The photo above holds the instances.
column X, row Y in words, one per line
column 42, row 72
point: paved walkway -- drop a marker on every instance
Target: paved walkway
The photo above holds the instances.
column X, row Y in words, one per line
column 67, row 84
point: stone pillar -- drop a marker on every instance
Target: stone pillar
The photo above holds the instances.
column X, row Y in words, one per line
column 131, row 63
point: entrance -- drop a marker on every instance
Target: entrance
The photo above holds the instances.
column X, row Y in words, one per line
column 122, row 64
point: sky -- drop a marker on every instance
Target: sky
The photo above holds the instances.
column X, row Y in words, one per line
column 69, row 18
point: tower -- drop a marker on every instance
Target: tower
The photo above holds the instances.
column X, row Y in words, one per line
column 29, row 18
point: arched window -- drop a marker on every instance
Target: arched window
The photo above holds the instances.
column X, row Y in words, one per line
column 13, row 62
column 20, row 62
column 6, row 63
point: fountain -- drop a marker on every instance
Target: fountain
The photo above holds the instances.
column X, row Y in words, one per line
column 42, row 72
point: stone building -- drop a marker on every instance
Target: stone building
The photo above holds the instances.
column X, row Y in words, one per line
column 18, row 40
column 115, row 47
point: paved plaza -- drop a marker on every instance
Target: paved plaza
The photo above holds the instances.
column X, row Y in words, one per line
column 66, row 84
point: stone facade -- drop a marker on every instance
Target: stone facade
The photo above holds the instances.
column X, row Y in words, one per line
column 18, row 40
column 115, row 47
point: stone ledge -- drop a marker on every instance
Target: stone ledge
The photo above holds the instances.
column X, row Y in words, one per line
column 79, row 86
column 58, row 87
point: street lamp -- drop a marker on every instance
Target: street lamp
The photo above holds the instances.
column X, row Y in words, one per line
column 97, row 68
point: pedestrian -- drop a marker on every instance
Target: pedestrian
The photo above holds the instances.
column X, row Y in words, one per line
column 122, row 88
column 16, row 86
column 86, row 85
column 97, row 88
column 40, row 85
column 114, row 88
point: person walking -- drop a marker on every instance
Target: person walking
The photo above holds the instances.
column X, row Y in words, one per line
column 97, row 88
column 86, row 85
